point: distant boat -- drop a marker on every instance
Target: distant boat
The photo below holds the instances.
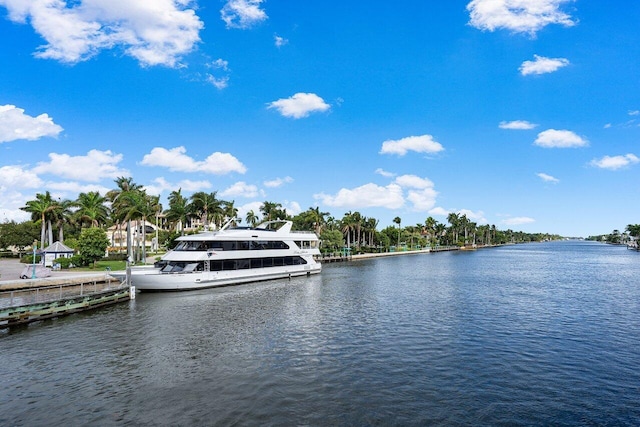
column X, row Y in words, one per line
column 231, row 256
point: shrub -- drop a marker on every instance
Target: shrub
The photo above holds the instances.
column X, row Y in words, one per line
column 28, row 259
column 64, row 262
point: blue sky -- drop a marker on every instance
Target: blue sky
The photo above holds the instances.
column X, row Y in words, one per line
column 524, row 114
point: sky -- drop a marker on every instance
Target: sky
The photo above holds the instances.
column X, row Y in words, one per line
column 523, row 114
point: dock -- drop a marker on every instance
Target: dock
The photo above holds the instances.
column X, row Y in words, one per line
column 26, row 301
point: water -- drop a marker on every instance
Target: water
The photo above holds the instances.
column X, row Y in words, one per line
column 537, row 334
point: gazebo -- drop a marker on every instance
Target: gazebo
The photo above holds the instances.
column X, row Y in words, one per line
column 55, row 251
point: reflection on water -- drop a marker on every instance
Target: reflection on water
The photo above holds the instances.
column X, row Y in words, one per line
column 527, row 334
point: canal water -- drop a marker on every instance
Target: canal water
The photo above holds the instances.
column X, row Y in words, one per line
column 535, row 334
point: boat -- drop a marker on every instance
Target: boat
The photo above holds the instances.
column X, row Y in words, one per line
column 231, row 256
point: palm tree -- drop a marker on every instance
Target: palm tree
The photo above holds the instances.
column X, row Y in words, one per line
column 271, row 210
column 251, row 218
column 61, row 215
column 203, row 204
column 41, row 210
column 91, row 208
column 454, row 220
column 119, row 207
column 178, row 210
column 398, row 221
column 230, row 211
column 318, row 219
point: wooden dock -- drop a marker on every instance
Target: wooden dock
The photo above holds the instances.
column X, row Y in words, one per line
column 27, row 301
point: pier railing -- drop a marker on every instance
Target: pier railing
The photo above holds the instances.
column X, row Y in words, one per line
column 45, row 294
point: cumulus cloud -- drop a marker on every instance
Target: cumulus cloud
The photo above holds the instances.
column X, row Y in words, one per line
column 420, row 192
column 278, row 182
column 177, row 161
column 160, row 185
column 419, row 144
column 517, row 125
column 15, row 124
column 242, row 13
column 547, row 178
column 17, row 177
column 75, row 187
column 518, row 16
column 552, row 138
column 615, row 162
column 93, row 167
column 519, row 220
column 299, row 105
column 366, row 196
column 241, row 189
column 542, row 65
column 152, row 32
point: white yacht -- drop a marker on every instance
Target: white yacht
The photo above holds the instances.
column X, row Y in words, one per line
column 231, row 256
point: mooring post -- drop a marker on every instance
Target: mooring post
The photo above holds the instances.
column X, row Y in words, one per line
column 132, row 289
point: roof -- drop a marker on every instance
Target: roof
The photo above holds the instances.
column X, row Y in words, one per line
column 57, row 247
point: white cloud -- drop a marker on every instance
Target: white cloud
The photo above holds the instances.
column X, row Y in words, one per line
column 520, row 220
column 242, row 13
column 547, row 178
column 439, row 211
column 293, row 208
column 241, row 189
column 76, row 188
column 274, row 183
column 421, row 194
column 252, row 206
column 217, row 82
column 10, row 203
column 384, row 173
column 153, row 32
column 299, row 105
column 634, row 113
column 177, row 161
column 519, row 16
column 280, row 41
column 477, row 216
column 615, row 162
column 17, row 177
column 14, row 125
column 160, row 185
column 366, row 196
column 413, row 181
column 517, row 125
column 552, row 138
column 542, row 65
column 93, row 167
column 419, row 144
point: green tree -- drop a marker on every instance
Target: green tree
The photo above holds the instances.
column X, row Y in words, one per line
column 91, row 209
column 398, row 221
column 251, row 218
column 331, row 240
column 177, row 213
column 20, row 235
column 41, row 209
column 118, row 198
column 92, row 244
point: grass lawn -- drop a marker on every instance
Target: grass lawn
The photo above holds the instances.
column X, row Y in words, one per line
column 102, row 265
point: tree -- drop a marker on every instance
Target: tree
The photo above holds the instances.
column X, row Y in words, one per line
column 41, row 209
column 251, row 218
column 91, row 209
column 19, row 235
column 331, row 240
column 398, row 221
column 177, row 213
column 92, row 244
column 205, row 206
column 119, row 204
column 62, row 215
column 271, row 211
